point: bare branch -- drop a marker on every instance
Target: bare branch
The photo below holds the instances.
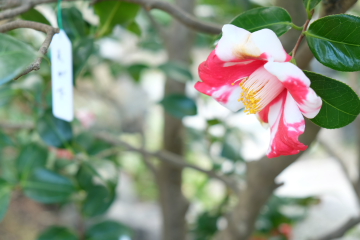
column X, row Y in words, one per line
column 342, row 230
column 178, row 13
column 168, row 157
column 19, row 7
column 50, row 32
column 146, row 157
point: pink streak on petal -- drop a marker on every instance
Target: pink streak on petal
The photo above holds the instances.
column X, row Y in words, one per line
column 264, row 114
column 297, row 89
column 298, row 84
column 288, row 57
column 286, row 126
column 215, row 73
column 307, row 100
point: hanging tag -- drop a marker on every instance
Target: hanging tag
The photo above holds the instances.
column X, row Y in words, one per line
column 62, row 77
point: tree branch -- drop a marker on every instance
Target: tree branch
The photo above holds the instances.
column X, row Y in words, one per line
column 169, row 158
column 342, row 230
column 50, row 32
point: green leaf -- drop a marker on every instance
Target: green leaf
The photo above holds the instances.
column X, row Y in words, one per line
column 176, row 71
column 53, row 131
column 46, row 186
column 214, row 121
column 274, row 18
column 231, row 146
column 5, row 197
column 15, row 57
column 86, row 141
column 73, row 23
column 109, row 230
column 7, row 93
column 57, row 233
column 311, row 4
column 179, row 105
column 35, row 16
column 81, row 53
column 5, row 140
column 135, row 70
column 98, row 201
column 134, row 28
column 335, row 41
column 341, row 105
column 113, row 13
column 32, row 156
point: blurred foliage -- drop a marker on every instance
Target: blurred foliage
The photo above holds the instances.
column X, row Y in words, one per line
column 56, row 162
column 274, row 223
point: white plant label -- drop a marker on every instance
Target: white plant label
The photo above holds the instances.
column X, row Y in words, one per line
column 62, row 77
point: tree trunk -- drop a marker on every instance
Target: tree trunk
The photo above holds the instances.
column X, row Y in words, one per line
column 173, row 203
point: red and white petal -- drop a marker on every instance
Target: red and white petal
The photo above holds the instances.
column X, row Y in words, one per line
column 232, row 36
column 228, row 96
column 286, row 125
column 298, row 84
column 262, row 44
column 221, row 79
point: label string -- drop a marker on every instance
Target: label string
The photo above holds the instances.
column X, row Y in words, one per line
column 59, row 13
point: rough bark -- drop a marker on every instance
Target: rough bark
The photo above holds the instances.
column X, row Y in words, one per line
column 173, row 203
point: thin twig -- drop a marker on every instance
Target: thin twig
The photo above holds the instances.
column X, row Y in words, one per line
column 146, row 157
column 300, row 38
column 156, row 25
column 162, row 155
column 50, row 32
column 168, row 157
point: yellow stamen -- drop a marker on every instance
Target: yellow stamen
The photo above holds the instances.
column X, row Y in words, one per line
column 259, row 90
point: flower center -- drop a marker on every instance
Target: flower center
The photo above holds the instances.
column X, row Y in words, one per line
column 259, row 89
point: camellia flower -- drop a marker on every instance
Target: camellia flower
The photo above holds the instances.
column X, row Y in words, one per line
column 252, row 71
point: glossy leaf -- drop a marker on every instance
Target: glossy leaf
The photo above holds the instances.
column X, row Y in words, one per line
column 73, row 23
column 274, row 18
column 341, row 105
column 176, row 71
column 109, row 230
column 53, row 131
column 113, row 13
column 81, row 53
column 335, row 41
column 15, row 57
column 179, row 105
column 311, row 4
column 57, row 233
column 5, row 197
column 46, row 186
column 32, row 156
